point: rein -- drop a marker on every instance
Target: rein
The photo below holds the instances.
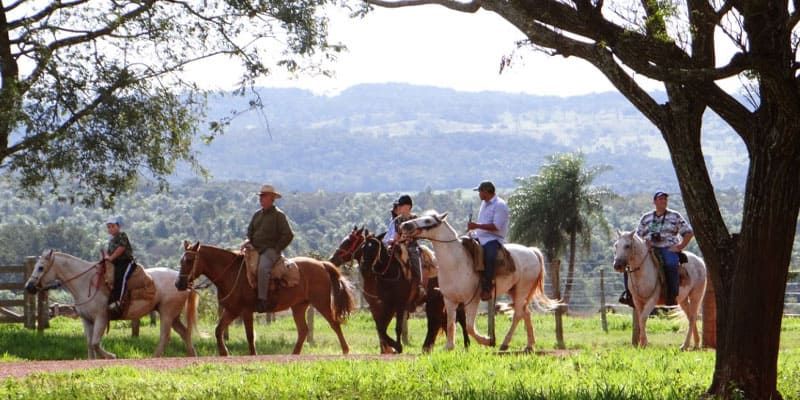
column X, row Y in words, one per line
column 191, row 274
column 96, row 285
column 639, row 267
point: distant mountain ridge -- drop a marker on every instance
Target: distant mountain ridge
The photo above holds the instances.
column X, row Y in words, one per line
column 395, row 137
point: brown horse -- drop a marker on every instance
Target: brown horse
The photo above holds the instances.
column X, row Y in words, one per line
column 352, row 248
column 320, row 282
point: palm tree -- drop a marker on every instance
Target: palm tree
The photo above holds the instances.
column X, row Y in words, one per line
column 556, row 208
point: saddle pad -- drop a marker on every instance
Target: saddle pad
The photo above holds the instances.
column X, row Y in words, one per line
column 505, row 263
column 475, row 251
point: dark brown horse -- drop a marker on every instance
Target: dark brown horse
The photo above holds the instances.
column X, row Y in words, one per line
column 320, row 282
column 352, row 248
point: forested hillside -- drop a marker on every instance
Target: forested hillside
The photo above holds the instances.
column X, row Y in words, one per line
column 218, row 213
column 389, row 137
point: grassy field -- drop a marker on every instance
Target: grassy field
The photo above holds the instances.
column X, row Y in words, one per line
column 599, row 365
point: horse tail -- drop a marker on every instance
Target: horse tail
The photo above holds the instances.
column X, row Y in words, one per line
column 343, row 299
column 542, row 302
column 191, row 311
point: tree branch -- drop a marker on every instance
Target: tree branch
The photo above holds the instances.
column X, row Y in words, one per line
column 470, row 7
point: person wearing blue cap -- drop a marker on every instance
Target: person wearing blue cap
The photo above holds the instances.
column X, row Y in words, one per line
column 667, row 233
column 401, row 211
column 490, row 229
column 120, row 253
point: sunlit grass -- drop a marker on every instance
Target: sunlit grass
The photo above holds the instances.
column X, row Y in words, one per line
column 598, row 365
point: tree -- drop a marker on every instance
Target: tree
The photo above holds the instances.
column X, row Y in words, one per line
column 676, row 43
column 555, row 208
column 90, row 91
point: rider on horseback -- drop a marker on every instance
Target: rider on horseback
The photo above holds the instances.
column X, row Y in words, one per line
column 402, row 209
column 120, row 253
column 668, row 234
column 269, row 233
column 490, row 230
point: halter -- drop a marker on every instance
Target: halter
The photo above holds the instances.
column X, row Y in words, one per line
column 51, row 261
column 630, row 270
column 356, row 240
column 191, row 274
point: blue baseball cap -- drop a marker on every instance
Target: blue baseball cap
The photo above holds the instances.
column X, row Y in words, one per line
column 659, row 194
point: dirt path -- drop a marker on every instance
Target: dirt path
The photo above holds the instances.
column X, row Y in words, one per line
column 20, row 369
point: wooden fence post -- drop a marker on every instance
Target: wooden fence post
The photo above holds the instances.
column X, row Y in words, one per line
column 603, row 320
column 135, row 323
column 29, row 299
column 555, row 268
column 43, row 310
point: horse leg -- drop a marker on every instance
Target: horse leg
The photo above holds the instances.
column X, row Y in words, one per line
column 461, row 317
column 87, row 333
column 435, row 318
column 400, row 319
column 471, row 312
column 186, row 335
column 98, row 329
column 219, row 332
column 166, row 328
column 299, row 315
column 382, row 324
column 337, row 328
column 643, row 315
column 247, row 320
column 529, row 330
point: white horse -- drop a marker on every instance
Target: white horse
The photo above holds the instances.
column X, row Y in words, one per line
column 631, row 255
column 459, row 283
column 83, row 280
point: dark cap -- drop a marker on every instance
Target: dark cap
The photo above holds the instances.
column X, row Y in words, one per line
column 402, row 200
column 485, row 186
column 659, row 194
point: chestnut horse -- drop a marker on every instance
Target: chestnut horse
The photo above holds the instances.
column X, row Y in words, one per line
column 320, row 282
column 352, row 248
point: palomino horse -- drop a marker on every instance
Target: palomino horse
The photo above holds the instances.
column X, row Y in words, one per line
column 352, row 248
column 320, row 282
column 646, row 286
column 82, row 278
column 459, row 283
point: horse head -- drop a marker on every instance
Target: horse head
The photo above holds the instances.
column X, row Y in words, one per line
column 374, row 255
column 188, row 270
column 428, row 221
column 349, row 247
column 42, row 268
column 625, row 248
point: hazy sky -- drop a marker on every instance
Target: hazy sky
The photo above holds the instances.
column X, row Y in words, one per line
column 431, row 45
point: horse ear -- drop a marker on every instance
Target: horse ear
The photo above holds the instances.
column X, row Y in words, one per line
column 186, row 244
column 196, row 245
column 619, row 233
column 50, row 254
column 444, row 215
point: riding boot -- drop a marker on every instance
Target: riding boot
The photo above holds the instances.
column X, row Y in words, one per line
column 626, row 298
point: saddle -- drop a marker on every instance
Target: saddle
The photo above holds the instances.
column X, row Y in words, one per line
column 140, row 286
column 504, row 264
column 429, row 266
column 285, row 271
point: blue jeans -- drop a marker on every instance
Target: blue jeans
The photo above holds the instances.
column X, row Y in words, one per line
column 490, row 250
column 671, row 261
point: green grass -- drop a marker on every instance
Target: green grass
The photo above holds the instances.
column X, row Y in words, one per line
column 599, row 365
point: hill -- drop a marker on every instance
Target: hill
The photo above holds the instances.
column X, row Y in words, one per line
column 390, row 137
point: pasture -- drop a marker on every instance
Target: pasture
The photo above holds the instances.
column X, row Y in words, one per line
column 596, row 365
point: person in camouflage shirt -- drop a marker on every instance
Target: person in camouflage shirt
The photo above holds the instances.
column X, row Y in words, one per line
column 120, row 253
column 668, row 233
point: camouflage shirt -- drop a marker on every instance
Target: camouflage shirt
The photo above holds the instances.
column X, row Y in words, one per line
column 671, row 226
column 120, row 240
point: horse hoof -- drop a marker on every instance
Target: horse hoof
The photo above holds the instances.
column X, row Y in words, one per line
column 504, row 348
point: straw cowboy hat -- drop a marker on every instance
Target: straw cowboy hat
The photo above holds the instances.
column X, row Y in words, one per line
column 269, row 189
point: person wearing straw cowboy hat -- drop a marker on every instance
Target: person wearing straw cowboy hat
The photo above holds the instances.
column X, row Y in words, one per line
column 269, row 233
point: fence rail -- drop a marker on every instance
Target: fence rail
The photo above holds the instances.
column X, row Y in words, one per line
column 34, row 313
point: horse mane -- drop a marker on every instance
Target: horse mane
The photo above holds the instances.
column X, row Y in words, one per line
column 69, row 256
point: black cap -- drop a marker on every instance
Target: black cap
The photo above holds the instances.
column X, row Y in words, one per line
column 404, row 199
column 485, row 186
column 659, row 194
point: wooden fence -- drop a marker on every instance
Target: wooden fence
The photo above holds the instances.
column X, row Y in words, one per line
column 35, row 313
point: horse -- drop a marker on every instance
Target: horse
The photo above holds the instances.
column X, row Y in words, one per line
column 351, row 248
column 82, row 278
column 459, row 282
column 646, row 284
column 321, row 285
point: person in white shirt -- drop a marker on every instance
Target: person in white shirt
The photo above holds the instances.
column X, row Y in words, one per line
column 490, row 229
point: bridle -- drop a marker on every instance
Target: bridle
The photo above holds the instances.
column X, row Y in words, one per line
column 356, row 240
column 191, row 276
column 51, row 260
column 638, row 267
column 389, row 256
